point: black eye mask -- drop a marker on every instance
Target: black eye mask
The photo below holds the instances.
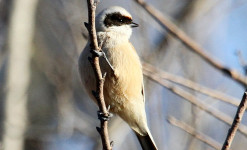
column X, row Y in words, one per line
column 116, row 19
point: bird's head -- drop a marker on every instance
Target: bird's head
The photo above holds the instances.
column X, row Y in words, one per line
column 115, row 20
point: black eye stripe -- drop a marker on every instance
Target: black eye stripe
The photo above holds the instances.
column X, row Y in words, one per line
column 116, row 19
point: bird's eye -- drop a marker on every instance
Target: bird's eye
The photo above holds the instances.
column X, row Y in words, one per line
column 121, row 20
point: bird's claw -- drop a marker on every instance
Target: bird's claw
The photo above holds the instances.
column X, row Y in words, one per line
column 111, row 143
column 104, row 116
column 100, row 53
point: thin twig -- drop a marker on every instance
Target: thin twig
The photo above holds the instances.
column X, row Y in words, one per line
column 98, row 75
column 202, row 137
column 236, row 122
column 192, row 85
column 190, row 43
column 192, row 99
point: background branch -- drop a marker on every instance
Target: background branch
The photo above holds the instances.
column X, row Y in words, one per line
column 187, row 128
column 103, row 130
column 236, row 122
column 190, row 84
column 192, row 99
column 190, row 43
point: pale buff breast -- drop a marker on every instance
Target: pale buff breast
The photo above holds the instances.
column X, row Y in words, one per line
column 125, row 84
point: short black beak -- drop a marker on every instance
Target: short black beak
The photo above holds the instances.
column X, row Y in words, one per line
column 133, row 25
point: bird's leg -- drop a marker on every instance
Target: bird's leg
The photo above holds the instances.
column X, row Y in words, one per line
column 100, row 53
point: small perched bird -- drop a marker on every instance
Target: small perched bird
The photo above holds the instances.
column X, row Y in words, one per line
column 123, row 87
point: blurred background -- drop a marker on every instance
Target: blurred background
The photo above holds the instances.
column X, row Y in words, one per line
column 43, row 105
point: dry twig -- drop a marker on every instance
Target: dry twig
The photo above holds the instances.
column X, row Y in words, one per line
column 190, row 43
column 236, row 122
column 192, row 99
column 98, row 75
column 192, row 85
column 202, row 137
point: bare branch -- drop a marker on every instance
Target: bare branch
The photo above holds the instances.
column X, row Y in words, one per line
column 191, row 44
column 98, row 75
column 236, row 122
column 202, row 137
column 192, row 85
column 192, row 99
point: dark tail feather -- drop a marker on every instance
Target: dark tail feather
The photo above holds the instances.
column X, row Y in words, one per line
column 146, row 142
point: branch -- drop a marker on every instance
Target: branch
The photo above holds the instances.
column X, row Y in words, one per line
column 192, row 99
column 98, row 94
column 192, row 85
column 191, row 44
column 202, row 137
column 232, row 131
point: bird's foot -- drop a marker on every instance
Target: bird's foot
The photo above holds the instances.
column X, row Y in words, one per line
column 100, row 53
column 104, row 116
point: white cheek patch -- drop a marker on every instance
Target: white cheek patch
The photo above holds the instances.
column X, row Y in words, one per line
column 124, row 30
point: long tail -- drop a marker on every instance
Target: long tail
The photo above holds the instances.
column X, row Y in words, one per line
column 146, row 142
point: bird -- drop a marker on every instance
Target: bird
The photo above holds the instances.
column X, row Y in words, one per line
column 123, row 86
